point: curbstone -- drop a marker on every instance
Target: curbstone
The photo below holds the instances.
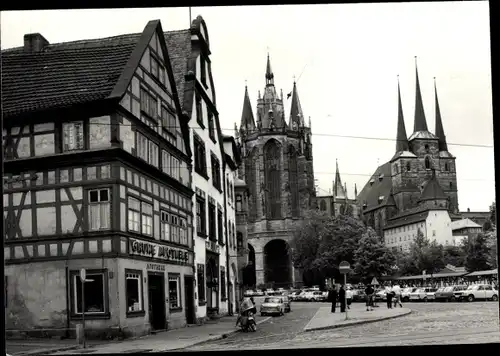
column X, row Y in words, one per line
column 47, row 351
column 359, row 322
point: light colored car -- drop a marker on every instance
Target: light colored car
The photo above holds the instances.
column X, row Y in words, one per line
column 431, row 293
column 269, row 291
column 249, row 293
column 381, row 295
column 480, row 292
column 259, row 293
column 459, row 292
column 287, row 301
column 405, row 293
column 294, row 295
column 281, row 291
column 316, row 296
column 420, row 294
column 272, row 306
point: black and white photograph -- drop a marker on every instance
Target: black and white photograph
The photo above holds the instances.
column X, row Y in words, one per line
column 248, row 177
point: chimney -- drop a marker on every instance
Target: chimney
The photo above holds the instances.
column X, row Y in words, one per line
column 34, row 43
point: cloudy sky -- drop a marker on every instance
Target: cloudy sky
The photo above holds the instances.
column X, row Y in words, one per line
column 346, row 59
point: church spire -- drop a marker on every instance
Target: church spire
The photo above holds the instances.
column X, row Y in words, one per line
column 338, row 188
column 247, row 119
column 269, row 72
column 401, row 138
column 439, row 124
column 420, row 122
column 296, row 114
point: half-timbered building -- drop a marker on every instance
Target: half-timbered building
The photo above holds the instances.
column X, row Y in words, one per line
column 98, row 177
column 192, row 66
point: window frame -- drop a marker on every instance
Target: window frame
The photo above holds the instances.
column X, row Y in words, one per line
column 142, row 310
column 201, row 227
column 211, row 126
column 73, row 276
column 141, row 214
column 177, row 277
column 212, row 222
column 216, row 172
column 220, row 227
column 83, row 135
column 89, row 204
column 201, row 288
column 200, row 161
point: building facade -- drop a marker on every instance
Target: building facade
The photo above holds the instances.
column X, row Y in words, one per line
column 338, row 202
column 464, row 229
column 396, row 185
column 278, row 172
column 192, row 66
column 98, row 177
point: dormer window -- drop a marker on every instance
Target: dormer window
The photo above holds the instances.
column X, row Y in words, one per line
column 380, row 177
column 372, row 181
column 364, row 205
column 380, row 199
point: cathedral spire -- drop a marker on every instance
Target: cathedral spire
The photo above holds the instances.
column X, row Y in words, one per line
column 247, row 119
column 401, row 138
column 269, row 72
column 338, row 188
column 420, row 122
column 439, row 124
column 296, row 114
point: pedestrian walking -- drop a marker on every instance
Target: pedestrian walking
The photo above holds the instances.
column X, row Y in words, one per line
column 389, row 295
column 369, row 297
column 397, row 295
column 349, row 295
column 342, row 300
column 332, row 297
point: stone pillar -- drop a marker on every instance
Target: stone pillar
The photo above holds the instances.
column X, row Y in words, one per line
column 259, row 267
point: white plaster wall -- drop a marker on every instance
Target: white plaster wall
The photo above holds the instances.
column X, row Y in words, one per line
column 439, row 227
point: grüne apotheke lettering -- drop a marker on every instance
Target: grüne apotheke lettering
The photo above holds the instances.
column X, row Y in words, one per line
column 158, row 251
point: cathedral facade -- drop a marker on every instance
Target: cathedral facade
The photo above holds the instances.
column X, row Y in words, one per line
column 277, row 172
column 397, row 187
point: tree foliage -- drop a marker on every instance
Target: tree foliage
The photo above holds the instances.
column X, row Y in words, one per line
column 372, row 257
column 426, row 255
column 454, row 255
column 492, row 243
column 478, row 254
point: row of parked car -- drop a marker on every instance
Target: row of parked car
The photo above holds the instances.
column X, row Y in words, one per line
column 446, row 294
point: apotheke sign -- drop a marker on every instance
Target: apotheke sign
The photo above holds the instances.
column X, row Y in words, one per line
column 154, row 250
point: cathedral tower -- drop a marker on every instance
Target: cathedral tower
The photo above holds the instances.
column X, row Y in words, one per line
column 278, row 171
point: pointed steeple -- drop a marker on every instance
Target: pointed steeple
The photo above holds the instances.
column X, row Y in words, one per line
column 401, row 138
column 296, row 114
column 269, row 72
column 338, row 188
column 420, row 122
column 355, row 191
column 247, row 119
column 439, row 132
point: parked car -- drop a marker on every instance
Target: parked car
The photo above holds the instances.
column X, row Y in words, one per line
column 317, row 296
column 294, row 295
column 272, row 306
column 259, row 293
column 419, row 295
column 360, row 296
column 480, row 292
column 287, row 302
column 269, row 291
column 249, row 293
column 446, row 294
column 381, row 295
column 280, row 291
column 405, row 293
column 431, row 293
column 459, row 292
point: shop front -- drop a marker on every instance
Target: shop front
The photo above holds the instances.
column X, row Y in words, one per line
column 159, row 285
column 212, row 256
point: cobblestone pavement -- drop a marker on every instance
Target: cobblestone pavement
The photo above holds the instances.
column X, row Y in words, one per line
column 278, row 329
column 429, row 323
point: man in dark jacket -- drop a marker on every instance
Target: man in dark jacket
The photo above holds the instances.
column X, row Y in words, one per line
column 342, row 299
column 369, row 291
column 332, row 297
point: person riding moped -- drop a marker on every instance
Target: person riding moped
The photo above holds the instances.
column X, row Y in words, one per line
column 247, row 306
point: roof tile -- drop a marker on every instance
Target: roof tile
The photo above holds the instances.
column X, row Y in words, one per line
column 179, row 50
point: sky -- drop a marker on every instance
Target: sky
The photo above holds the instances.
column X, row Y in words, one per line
column 346, row 59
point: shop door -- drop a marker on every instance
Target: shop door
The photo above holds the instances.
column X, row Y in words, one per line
column 156, row 293
column 189, row 299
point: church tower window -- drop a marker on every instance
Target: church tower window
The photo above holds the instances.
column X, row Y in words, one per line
column 272, row 176
column 322, row 205
column 396, row 171
column 408, row 167
column 251, row 179
column 293, row 172
column 427, row 163
column 426, row 148
column 446, row 168
column 451, row 185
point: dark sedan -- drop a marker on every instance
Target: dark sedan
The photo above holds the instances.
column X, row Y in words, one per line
column 446, row 294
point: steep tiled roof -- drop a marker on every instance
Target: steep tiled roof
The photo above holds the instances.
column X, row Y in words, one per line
column 179, row 50
column 63, row 74
column 379, row 185
column 432, row 189
column 464, row 223
column 407, row 219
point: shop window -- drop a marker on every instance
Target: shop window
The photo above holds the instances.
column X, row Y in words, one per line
column 95, row 293
column 133, row 291
column 200, row 272
column 174, row 293
column 223, row 291
column 140, row 216
column 99, row 209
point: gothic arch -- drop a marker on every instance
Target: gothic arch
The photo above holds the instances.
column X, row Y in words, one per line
column 293, row 180
column 427, row 162
column 272, row 179
column 322, row 205
column 277, row 263
column 251, row 167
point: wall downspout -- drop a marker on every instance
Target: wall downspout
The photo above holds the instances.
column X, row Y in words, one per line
column 226, row 237
column 68, row 283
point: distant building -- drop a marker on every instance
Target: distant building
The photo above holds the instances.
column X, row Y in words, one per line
column 479, row 217
column 464, row 229
column 338, row 202
column 397, row 185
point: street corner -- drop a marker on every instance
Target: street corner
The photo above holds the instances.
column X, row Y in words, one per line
column 324, row 319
